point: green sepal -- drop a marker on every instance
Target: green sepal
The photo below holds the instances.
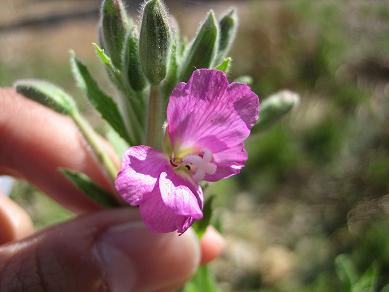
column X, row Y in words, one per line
column 92, row 190
column 203, row 281
column 114, row 26
column 132, row 67
column 201, row 226
column 228, row 27
column 154, row 41
column 225, row 66
column 103, row 103
column 46, row 94
column 203, row 49
column 273, row 108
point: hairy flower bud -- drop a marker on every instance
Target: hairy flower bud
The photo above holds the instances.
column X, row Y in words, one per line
column 135, row 76
column 154, row 41
column 114, row 27
column 203, row 48
column 275, row 107
column 228, row 26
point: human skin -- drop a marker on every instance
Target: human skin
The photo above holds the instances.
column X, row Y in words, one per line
column 99, row 250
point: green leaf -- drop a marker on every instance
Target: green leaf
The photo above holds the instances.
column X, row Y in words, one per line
column 346, row 271
column 103, row 56
column 202, row 281
column 217, row 223
column 118, row 144
column 113, row 73
column 102, row 102
column 46, row 94
column 201, row 226
column 273, row 108
column 134, row 106
column 368, row 281
column 225, row 66
column 202, row 51
column 228, row 27
column 93, row 191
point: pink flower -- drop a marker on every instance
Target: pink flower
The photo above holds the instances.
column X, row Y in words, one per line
column 208, row 120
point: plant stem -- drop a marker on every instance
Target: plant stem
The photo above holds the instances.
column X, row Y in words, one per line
column 134, row 127
column 92, row 139
column 154, row 124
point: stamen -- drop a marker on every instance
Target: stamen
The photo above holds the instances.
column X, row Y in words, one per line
column 173, row 163
column 200, row 165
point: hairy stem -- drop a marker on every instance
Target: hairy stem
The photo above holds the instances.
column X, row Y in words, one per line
column 92, row 139
column 154, row 119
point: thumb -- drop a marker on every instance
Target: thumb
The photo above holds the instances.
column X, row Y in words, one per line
column 106, row 251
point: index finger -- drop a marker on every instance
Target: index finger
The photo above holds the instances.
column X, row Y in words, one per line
column 35, row 142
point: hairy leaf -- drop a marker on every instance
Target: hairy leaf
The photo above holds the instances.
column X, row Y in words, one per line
column 93, row 191
column 102, row 102
column 46, row 94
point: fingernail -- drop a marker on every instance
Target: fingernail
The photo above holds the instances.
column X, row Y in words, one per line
column 6, row 183
column 212, row 245
column 136, row 259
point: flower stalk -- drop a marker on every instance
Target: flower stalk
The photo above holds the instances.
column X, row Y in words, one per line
column 154, row 124
column 92, row 139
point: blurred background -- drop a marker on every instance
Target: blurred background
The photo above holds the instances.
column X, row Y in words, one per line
column 310, row 210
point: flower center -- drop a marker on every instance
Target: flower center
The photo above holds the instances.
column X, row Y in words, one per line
column 198, row 165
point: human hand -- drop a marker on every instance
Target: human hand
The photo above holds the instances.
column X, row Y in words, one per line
column 101, row 250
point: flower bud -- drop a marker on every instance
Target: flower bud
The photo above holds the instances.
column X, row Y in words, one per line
column 202, row 51
column 114, row 27
column 154, row 41
column 228, row 26
column 135, row 76
column 245, row 79
column 275, row 107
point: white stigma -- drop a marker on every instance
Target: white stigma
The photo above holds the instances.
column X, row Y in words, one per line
column 200, row 166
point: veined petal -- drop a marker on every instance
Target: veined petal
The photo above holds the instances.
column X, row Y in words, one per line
column 205, row 84
column 159, row 217
column 209, row 113
column 172, row 205
column 228, row 162
column 181, row 196
column 141, row 168
column 245, row 102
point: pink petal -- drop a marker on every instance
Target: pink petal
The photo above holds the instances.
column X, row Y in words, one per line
column 141, row 168
column 245, row 101
column 229, row 162
column 157, row 216
column 172, row 205
column 180, row 195
column 209, row 113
